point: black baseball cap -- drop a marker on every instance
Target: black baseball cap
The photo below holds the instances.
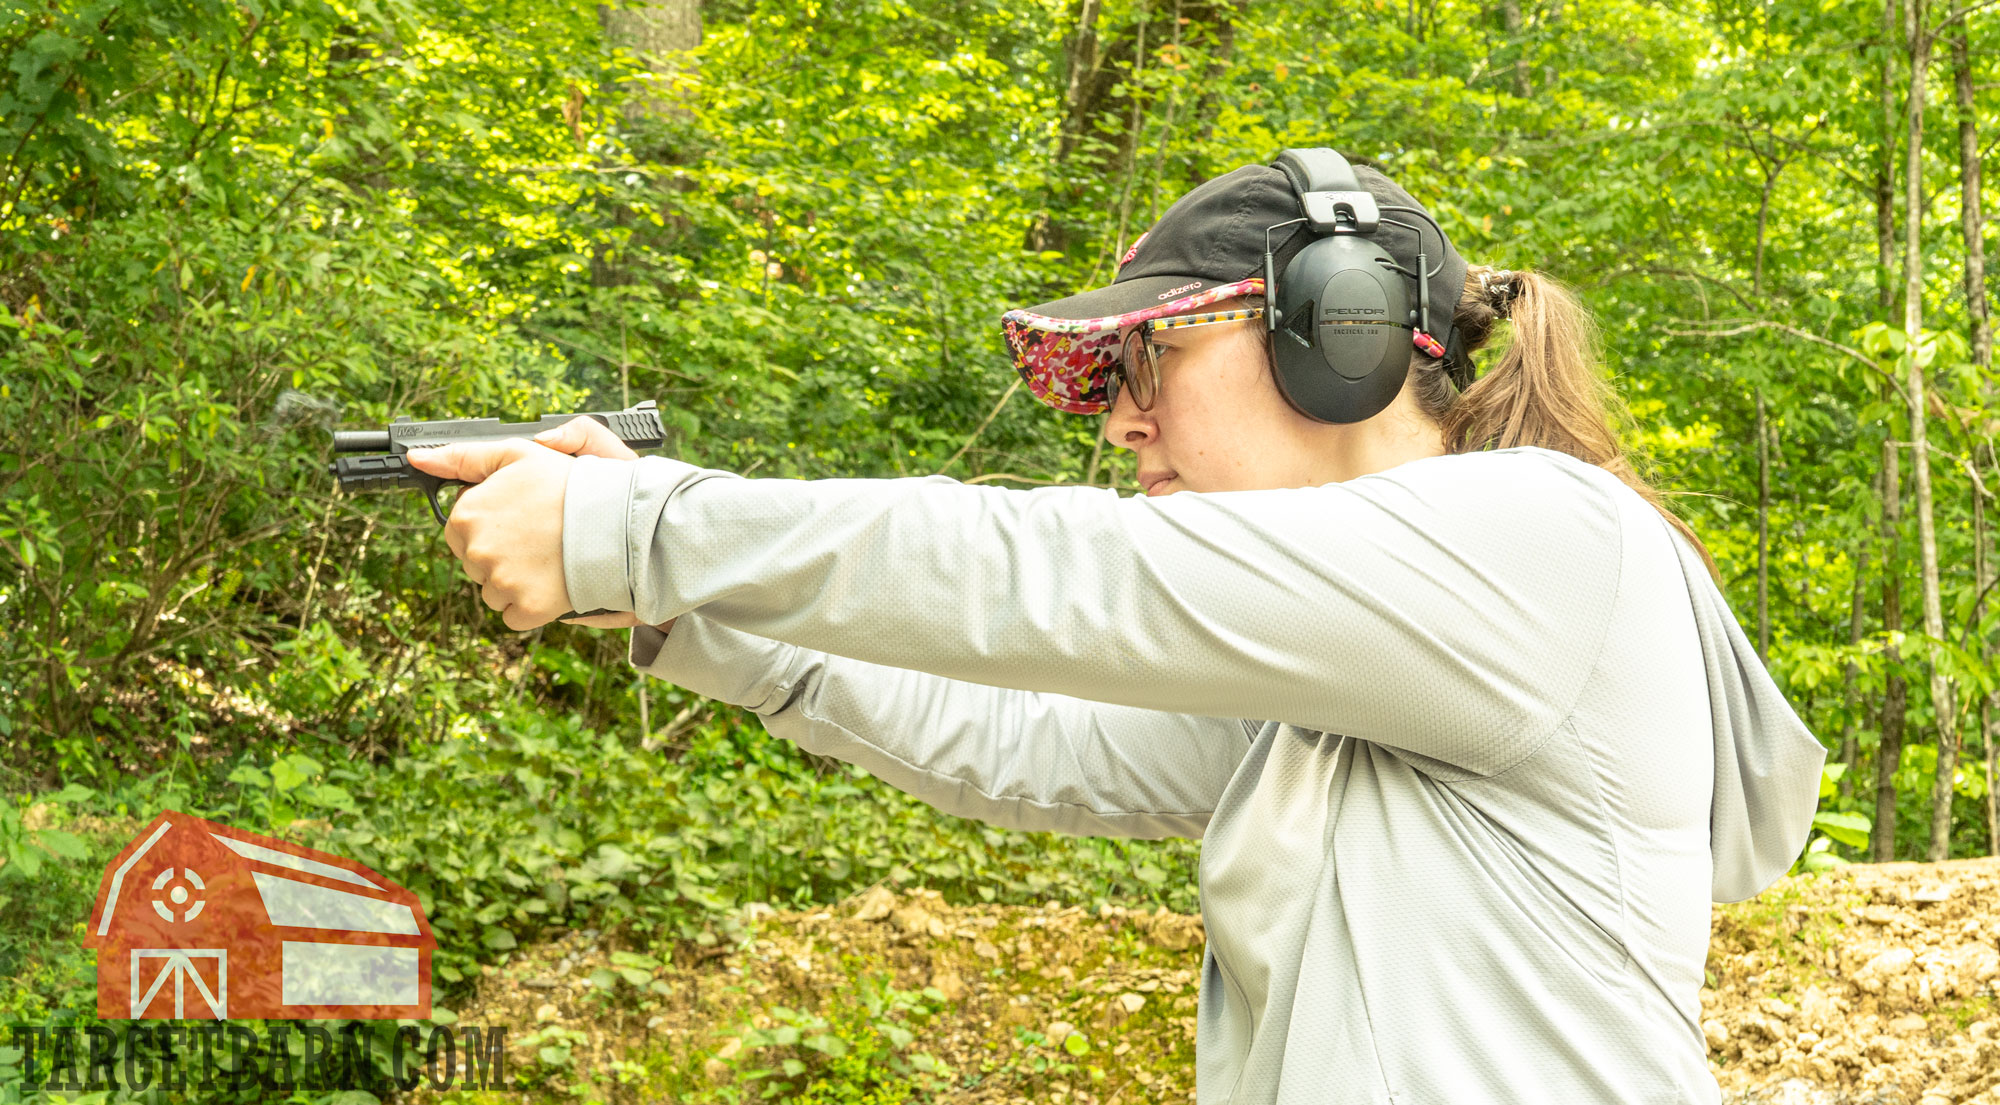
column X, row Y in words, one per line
column 1207, row 248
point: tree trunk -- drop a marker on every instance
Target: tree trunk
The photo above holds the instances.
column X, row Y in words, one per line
column 657, row 32
column 1857, row 623
column 1989, row 710
column 1895, row 692
column 1972, row 213
column 1080, row 94
column 1510, row 13
column 1885, row 172
column 1982, row 578
column 1972, row 222
column 1763, row 533
column 1918, row 39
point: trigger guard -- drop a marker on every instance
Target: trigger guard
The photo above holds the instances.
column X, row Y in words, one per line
column 431, row 493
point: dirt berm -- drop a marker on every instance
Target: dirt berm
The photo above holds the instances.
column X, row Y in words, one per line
column 1868, row 984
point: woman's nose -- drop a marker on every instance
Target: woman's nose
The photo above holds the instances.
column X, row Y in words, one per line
column 1128, row 427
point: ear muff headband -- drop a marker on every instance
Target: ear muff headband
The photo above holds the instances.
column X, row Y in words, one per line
column 1343, row 318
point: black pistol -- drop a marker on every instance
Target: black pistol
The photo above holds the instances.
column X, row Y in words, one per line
column 387, row 466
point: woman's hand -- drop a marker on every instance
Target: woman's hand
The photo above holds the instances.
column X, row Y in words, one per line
column 583, row 436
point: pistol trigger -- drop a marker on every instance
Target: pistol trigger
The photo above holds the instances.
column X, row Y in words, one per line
column 431, row 493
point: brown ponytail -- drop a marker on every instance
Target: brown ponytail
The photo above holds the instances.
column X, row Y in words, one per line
column 1546, row 389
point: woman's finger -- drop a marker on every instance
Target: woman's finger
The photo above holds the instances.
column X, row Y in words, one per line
column 586, row 436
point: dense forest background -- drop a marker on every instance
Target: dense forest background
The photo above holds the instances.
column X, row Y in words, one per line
column 227, row 227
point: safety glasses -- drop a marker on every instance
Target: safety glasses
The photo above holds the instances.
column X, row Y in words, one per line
column 1138, row 366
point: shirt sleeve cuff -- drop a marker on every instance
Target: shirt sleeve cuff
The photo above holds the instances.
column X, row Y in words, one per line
column 716, row 662
column 596, row 509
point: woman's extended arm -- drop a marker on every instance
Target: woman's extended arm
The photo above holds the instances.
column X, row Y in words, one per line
column 1013, row 758
column 1451, row 607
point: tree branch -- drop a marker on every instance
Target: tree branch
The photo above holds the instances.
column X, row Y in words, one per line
column 1804, row 335
column 988, row 421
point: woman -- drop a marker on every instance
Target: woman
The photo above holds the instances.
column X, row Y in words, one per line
column 1469, row 734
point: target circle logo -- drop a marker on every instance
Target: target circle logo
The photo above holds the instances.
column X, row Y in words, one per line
column 178, row 894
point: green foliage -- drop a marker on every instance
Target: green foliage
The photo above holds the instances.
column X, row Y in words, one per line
column 856, row 1054
column 225, row 228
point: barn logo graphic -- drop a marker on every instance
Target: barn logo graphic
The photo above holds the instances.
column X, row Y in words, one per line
column 199, row 920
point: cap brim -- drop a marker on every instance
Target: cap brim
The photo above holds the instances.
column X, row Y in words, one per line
column 1065, row 350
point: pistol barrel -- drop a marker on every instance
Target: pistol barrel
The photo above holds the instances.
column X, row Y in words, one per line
column 360, row 441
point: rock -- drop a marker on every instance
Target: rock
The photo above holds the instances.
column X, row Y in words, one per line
column 1779, row 1008
column 1058, row 1031
column 716, row 1070
column 1174, row 931
column 1771, row 1030
column 1817, row 1009
column 1795, row 1091
column 1879, row 914
column 913, row 920
column 729, row 1049
column 1909, row 1024
column 1890, row 963
column 1932, row 893
column 757, row 911
column 985, row 950
column 1716, row 1032
column 547, row 1012
column 874, row 904
column 1118, row 1009
column 948, row 983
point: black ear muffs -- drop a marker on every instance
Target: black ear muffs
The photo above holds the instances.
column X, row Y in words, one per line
column 1343, row 314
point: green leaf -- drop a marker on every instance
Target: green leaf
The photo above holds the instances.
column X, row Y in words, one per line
column 62, row 844
column 291, row 772
column 634, row 959
column 498, row 939
column 27, row 862
column 1851, row 829
column 1076, row 1044
column 330, row 796
column 832, row 1046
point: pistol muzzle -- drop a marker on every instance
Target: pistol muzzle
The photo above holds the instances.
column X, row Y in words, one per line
column 360, row 441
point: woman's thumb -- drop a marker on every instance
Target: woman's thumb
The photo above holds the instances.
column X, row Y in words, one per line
column 586, row 436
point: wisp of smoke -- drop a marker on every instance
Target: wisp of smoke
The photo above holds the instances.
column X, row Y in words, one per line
column 296, row 408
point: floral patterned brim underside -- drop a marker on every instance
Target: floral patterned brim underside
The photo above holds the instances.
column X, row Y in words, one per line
column 1066, row 362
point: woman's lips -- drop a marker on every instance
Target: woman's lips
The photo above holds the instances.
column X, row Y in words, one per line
column 1154, row 481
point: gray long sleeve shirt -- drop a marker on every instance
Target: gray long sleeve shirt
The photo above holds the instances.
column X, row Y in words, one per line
column 1472, row 743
